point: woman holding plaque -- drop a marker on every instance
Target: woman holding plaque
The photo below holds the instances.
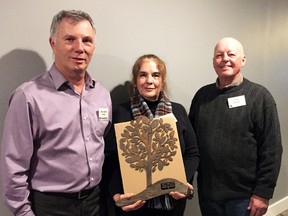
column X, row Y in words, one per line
column 149, row 98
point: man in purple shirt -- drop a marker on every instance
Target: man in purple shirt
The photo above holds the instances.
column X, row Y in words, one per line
column 53, row 146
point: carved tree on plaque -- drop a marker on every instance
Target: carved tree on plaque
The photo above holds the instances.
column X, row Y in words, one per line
column 148, row 144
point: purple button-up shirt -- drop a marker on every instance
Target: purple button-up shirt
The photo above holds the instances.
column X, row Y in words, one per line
column 53, row 138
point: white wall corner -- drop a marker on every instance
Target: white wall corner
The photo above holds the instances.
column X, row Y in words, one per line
column 278, row 207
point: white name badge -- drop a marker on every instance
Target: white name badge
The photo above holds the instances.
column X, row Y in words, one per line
column 103, row 114
column 236, row 101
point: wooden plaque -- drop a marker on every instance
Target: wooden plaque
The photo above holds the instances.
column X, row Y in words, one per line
column 150, row 158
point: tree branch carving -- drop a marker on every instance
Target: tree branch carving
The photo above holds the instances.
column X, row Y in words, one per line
column 148, row 145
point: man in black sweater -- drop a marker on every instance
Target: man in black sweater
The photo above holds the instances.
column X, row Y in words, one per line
column 238, row 133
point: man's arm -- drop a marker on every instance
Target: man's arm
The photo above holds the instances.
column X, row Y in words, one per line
column 17, row 150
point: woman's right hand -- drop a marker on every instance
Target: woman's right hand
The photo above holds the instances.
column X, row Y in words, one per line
column 132, row 207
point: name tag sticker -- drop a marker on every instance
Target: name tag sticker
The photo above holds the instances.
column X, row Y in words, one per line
column 236, row 101
column 103, row 114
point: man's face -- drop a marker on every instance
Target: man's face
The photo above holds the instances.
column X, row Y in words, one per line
column 73, row 46
column 228, row 58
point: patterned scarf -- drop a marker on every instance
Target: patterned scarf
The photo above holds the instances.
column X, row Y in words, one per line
column 139, row 106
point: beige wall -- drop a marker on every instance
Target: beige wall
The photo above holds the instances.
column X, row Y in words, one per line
column 181, row 32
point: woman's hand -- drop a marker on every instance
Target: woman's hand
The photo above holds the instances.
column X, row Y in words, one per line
column 137, row 205
column 176, row 195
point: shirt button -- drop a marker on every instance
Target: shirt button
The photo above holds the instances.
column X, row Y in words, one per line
column 90, row 159
column 92, row 179
column 85, row 118
column 87, row 138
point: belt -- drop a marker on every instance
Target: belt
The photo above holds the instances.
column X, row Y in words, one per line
column 74, row 195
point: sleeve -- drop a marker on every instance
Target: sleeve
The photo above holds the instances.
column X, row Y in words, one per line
column 111, row 168
column 17, row 150
column 269, row 143
column 188, row 144
column 192, row 111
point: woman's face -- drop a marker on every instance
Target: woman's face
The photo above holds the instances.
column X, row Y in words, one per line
column 149, row 80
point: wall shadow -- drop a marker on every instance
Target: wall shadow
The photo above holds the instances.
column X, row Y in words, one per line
column 120, row 93
column 17, row 67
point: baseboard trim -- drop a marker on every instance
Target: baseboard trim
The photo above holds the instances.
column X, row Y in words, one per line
column 277, row 207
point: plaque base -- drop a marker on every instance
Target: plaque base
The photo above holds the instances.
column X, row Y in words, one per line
column 161, row 187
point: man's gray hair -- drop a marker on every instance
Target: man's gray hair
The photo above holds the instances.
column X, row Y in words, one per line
column 73, row 15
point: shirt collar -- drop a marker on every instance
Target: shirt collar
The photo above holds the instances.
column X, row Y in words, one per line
column 89, row 81
column 60, row 80
column 237, row 82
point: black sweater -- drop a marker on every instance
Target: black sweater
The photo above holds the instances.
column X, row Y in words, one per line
column 240, row 147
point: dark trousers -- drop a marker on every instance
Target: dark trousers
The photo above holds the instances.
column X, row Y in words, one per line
column 178, row 210
column 224, row 208
column 49, row 204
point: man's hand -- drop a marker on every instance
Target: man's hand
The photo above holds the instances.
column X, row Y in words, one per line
column 258, row 206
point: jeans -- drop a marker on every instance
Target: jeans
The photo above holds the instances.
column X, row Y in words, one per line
column 224, row 208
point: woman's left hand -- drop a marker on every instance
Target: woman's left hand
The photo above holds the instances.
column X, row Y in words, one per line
column 176, row 195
